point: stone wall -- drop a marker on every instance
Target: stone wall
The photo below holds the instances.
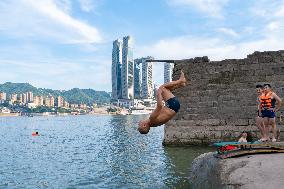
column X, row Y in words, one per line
column 220, row 100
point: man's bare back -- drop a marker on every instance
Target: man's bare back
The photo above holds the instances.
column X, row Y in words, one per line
column 163, row 113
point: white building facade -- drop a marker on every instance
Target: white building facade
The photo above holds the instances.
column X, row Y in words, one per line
column 147, row 86
column 116, row 70
column 168, row 72
column 127, row 73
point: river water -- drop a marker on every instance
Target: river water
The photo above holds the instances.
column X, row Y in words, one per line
column 89, row 152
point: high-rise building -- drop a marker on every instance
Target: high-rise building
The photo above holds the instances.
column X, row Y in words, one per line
column 49, row 101
column 168, row 72
column 127, row 74
column 116, row 69
column 23, row 98
column 14, row 98
column 30, row 96
column 3, row 96
column 137, row 78
column 147, row 78
column 60, row 101
column 38, row 101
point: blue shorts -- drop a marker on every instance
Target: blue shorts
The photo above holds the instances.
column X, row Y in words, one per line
column 268, row 113
column 173, row 104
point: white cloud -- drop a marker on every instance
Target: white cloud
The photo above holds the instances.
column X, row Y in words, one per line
column 48, row 8
column 228, row 31
column 45, row 19
column 64, row 5
column 268, row 34
column 185, row 47
column 273, row 26
column 213, row 8
column 273, row 19
column 87, row 5
column 280, row 12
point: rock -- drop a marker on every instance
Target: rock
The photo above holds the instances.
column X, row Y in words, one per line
column 249, row 172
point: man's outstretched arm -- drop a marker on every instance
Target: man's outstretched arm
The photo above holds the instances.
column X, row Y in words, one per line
column 159, row 106
column 159, row 99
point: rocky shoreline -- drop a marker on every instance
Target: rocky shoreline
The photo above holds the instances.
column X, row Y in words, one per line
column 249, row 172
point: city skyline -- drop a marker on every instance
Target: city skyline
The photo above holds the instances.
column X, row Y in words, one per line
column 64, row 44
column 131, row 78
column 30, row 100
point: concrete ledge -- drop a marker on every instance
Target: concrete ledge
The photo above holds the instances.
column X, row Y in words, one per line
column 250, row 172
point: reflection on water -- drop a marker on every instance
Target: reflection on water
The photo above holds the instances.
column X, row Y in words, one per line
column 179, row 164
column 89, row 152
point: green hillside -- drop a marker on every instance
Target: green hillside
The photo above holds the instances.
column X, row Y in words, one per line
column 75, row 95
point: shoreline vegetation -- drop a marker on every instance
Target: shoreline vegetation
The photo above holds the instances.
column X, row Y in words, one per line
column 22, row 99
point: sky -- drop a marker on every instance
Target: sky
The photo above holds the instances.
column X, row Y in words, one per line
column 64, row 44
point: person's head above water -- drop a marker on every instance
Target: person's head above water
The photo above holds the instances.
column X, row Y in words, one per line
column 35, row 133
column 144, row 126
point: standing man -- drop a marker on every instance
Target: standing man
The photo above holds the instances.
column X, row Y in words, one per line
column 267, row 108
column 258, row 118
column 163, row 113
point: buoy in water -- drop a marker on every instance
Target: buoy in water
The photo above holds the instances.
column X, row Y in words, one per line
column 35, row 133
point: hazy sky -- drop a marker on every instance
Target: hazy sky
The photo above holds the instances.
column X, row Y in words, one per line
column 62, row 44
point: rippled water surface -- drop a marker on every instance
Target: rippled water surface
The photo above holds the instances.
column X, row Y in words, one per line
column 89, row 152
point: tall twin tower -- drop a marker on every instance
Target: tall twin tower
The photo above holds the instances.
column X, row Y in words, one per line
column 131, row 79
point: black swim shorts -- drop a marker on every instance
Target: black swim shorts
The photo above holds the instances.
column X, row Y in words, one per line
column 173, row 104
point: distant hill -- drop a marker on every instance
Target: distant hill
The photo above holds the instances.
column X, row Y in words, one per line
column 75, row 95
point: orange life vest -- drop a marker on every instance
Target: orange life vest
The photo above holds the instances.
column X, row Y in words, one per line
column 266, row 101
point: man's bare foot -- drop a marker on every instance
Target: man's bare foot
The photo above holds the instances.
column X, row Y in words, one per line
column 182, row 78
column 264, row 140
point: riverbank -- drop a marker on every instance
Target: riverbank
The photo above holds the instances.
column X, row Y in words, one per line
column 250, row 172
column 9, row 114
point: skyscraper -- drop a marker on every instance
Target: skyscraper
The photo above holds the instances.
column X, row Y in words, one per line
column 147, row 78
column 116, row 69
column 137, row 78
column 127, row 73
column 3, row 96
column 168, row 72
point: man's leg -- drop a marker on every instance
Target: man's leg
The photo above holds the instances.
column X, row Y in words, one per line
column 168, row 87
column 266, row 128
column 166, row 94
column 259, row 124
column 175, row 84
column 274, row 128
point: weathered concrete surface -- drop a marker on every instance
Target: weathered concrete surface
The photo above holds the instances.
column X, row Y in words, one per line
column 220, row 100
column 259, row 171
